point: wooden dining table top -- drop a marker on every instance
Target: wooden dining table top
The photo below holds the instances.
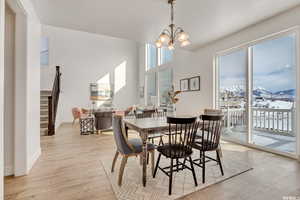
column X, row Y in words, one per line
column 150, row 124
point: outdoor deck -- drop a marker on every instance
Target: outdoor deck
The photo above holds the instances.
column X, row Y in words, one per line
column 266, row 139
column 272, row 128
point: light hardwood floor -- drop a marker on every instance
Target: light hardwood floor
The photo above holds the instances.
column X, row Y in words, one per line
column 69, row 169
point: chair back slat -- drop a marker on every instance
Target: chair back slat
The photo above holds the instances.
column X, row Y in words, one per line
column 211, row 131
column 181, row 136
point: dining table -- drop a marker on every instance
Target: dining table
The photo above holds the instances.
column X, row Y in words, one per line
column 146, row 127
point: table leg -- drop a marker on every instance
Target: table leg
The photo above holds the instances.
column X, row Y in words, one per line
column 126, row 130
column 144, row 136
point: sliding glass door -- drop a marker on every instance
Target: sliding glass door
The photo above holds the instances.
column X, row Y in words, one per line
column 232, row 94
column 273, row 94
column 264, row 74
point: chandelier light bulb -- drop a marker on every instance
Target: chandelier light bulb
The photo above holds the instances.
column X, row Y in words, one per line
column 164, row 38
column 171, row 46
column 185, row 43
column 182, row 36
column 158, row 44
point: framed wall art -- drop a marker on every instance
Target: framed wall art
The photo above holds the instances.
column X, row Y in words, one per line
column 184, row 85
column 194, row 83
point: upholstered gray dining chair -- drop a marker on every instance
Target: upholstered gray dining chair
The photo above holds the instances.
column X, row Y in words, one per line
column 127, row 147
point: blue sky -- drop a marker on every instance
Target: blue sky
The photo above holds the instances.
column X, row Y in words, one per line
column 273, row 65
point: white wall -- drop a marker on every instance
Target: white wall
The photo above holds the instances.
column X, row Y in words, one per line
column 9, row 91
column 187, row 65
column 33, row 91
column 85, row 58
column 2, row 11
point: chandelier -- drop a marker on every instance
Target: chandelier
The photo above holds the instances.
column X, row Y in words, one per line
column 171, row 35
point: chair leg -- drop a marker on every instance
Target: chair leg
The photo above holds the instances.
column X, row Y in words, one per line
column 200, row 157
column 114, row 161
column 183, row 165
column 141, row 159
column 171, row 177
column 122, row 167
column 152, row 161
column 193, row 171
column 220, row 163
column 220, row 151
column 157, row 164
column 203, row 167
column 147, row 157
column 161, row 141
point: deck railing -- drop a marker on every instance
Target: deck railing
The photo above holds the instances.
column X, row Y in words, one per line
column 278, row 121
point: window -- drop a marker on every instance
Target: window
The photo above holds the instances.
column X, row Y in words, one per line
column 44, row 54
column 157, row 56
column 151, row 56
column 165, row 85
column 151, row 88
column 159, row 80
column 166, row 55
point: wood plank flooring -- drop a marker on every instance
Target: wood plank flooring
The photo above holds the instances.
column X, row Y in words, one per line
column 69, row 169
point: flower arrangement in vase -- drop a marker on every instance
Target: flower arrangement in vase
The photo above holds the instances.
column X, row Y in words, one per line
column 173, row 99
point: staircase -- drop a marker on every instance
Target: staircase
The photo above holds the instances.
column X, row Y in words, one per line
column 44, row 111
column 49, row 103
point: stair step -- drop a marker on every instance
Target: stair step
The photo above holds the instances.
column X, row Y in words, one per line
column 44, row 118
column 44, row 113
column 44, row 122
column 44, row 131
column 46, row 92
column 44, row 101
column 44, row 125
column 44, row 98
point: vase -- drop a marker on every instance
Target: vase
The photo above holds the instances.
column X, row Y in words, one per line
column 171, row 109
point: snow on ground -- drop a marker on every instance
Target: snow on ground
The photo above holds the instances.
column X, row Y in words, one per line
column 277, row 104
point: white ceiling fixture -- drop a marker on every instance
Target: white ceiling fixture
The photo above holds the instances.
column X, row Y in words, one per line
column 141, row 20
column 172, row 35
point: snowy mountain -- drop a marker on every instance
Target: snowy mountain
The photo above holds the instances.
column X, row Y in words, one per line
column 239, row 91
column 261, row 92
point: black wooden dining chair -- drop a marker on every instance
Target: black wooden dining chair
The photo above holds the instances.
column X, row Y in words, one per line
column 209, row 141
column 179, row 146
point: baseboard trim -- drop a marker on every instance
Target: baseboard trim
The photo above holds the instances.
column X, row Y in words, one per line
column 33, row 159
column 8, row 170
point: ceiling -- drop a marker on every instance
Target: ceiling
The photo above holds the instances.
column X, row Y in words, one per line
column 143, row 20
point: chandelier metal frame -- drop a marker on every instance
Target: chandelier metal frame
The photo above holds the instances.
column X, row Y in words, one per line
column 172, row 34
